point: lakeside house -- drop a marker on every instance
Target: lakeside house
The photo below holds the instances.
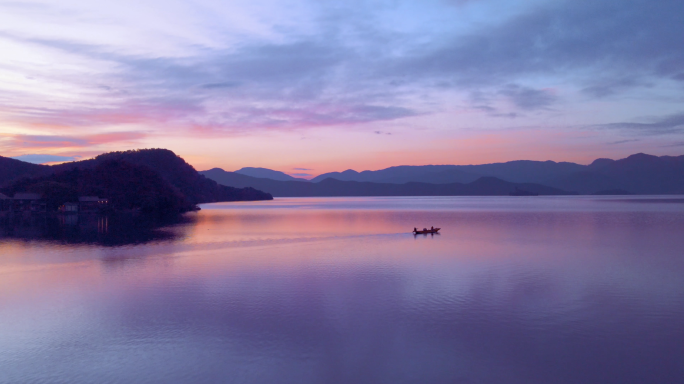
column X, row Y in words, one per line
column 69, row 207
column 85, row 204
column 28, row 202
column 35, row 202
column 92, row 203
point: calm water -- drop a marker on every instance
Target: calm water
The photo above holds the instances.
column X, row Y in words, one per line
column 335, row 290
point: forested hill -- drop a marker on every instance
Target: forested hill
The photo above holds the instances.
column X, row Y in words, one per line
column 172, row 168
column 127, row 186
column 158, row 175
column 12, row 169
column 484, row 186
column 636, row 174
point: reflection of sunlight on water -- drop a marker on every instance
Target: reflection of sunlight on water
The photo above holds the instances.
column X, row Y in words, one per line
column 101, row 222
column 504, row 295
column 119, row 229
column 465, row 203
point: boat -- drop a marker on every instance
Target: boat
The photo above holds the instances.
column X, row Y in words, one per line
column 426, row 231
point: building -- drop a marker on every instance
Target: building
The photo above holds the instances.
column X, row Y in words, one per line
column 92, row 203
column 5, row 203
column 28, row 202
column 69, row 208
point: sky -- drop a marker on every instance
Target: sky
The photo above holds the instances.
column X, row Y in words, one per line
column 309, row 86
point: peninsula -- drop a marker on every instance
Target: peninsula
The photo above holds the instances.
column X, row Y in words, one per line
column 146, row 180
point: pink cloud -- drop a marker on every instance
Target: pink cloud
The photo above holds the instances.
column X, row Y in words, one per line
column 56, row 141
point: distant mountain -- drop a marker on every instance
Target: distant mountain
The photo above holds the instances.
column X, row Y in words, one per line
column 436, row 174
column 445, row 176
column 612, row 192
column 348, row 175
column 645, row 174
column 484, row 186
column 524, row 171
column 585, row 182
column 636, row 174
column 12, row 169
column 180, row 176
column 266, row 173
column 519, row 171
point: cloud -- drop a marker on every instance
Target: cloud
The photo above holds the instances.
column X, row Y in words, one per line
column 494, row 112
column 510, row 115
column 302, row 169
column 313, row 115
column 262, row 85
column 659, row 126
column 611, row 86
column 301, row 174
column 673, row 145
column 354, row 65
column 554, row 39
column 485, row 108
column 48, row 141
column 623, row 141
column 42, row 159
column 225, row 84
column 528, row 98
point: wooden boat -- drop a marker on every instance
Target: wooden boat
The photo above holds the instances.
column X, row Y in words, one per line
column 425, row 232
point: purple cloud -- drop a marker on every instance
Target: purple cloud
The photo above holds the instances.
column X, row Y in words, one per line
column 42, row 159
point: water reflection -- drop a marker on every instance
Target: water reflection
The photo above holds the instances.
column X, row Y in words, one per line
column 563, row 294
column 107, row 230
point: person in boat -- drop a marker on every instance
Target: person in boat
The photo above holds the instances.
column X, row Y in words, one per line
column 415, row 229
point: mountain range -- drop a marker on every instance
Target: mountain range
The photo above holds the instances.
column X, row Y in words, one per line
column 484, row 186
column 636, row 174
column 266, row 173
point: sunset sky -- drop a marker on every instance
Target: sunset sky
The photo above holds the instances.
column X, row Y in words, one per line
column 308, row 87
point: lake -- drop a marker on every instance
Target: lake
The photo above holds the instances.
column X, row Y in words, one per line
column 572, row 289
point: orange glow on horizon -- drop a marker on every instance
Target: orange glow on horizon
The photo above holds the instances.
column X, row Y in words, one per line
column 329, row 151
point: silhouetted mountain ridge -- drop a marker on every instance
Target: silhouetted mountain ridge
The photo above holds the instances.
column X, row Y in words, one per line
column 197, row 188
column 485, row 186
column 514, row 171
column 174, row 177
column 127, row 186
column 267, row 174
column 12, row 169
column 436, row 174
column 638, row 174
